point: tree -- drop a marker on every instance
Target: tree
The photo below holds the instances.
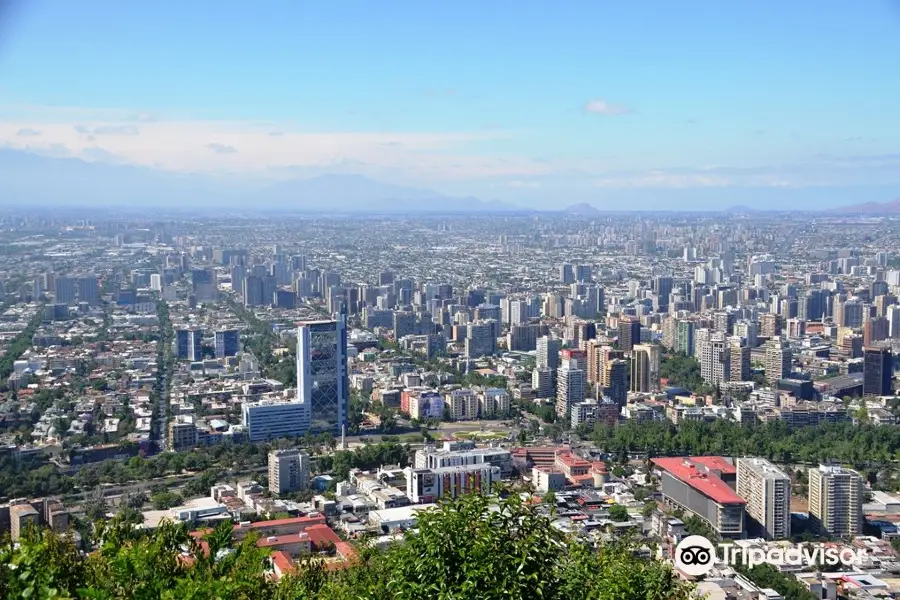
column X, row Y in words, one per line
column 696, row 526
column 768, row 576
column 165, row 500
column 95, row 507
column 618, row 513
column 536, row 560
column 642, row 493
column 549, row 498
column 475, row 547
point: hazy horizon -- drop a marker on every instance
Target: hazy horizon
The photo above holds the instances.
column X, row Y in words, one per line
column 662, row 107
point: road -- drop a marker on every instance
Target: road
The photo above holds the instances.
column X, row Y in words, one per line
column 113, row 490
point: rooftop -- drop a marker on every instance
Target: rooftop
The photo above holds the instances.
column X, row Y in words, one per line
column 715, row 463
column 710, row 485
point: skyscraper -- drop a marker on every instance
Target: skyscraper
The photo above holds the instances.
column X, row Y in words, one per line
column 684, row 337
column 875, row 330
column 89, row 289
column 835, row 501
column 877, row 371
column 322, row 374
column 205, row 285
column 662, row 287
column 582, row 272
column 767, row 490
column 188, row 344
column 64, row 290
column 616, row 381
column 548, row 353
column 629, row 333
column 715, row 359
column 570, row 386
column 542, row 382
column 228, row 343
column 480, row 339
column 252, row 291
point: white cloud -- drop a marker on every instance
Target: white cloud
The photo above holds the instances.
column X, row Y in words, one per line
column 602, row 107
column 661, row 179
column 108, row 130
column 704, row 177
column 221, row 148
column 199, row 146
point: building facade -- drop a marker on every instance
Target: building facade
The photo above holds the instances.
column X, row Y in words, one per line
column 767, row 490
column 835, row 501
column 322, row 383
column 288, row 471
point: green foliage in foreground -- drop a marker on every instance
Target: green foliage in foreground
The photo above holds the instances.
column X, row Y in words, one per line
column 463, row 550
column 767, row 576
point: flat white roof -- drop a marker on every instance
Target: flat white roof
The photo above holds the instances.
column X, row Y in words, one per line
column 401, row 513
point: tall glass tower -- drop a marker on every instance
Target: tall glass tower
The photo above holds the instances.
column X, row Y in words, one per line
column 322, row 384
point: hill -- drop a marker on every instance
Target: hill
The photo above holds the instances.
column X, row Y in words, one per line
column 357, row 193
column 583, row 209
column 48, row 181
column 871, row 208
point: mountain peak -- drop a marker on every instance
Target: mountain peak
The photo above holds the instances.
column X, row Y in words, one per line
column 582, row 208
column 872, row 208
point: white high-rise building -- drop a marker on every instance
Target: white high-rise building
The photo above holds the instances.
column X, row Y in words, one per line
column 288, row 471
column 570, row 384
column 155, row 282
column 779, row 360
column 893, row 315
column 548, row 353
column 835, row 501
column 715, row 360
column 767, row 490
column 322, row 384
column 518, row 312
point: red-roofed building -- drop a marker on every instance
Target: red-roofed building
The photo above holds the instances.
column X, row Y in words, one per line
column 315, row 537
column 292, row 544
column 278, row 526
column 537, row 456
column 691, row 485
column 571, row 465
column 282, row 564
column 726, row 471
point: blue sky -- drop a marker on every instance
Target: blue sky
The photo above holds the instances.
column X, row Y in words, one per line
column 536, row 103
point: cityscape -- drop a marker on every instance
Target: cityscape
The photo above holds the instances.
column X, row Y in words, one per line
column 449, row 301
column 658, row 376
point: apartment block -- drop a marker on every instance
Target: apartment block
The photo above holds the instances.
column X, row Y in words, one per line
column 767, row 490
column 288, row 471
column 835, row 501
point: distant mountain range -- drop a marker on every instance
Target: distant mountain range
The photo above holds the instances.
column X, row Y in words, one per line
column 740, row 209
column 582, row 209
column 871, row 208
column 31, row 179
column 357, row 193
